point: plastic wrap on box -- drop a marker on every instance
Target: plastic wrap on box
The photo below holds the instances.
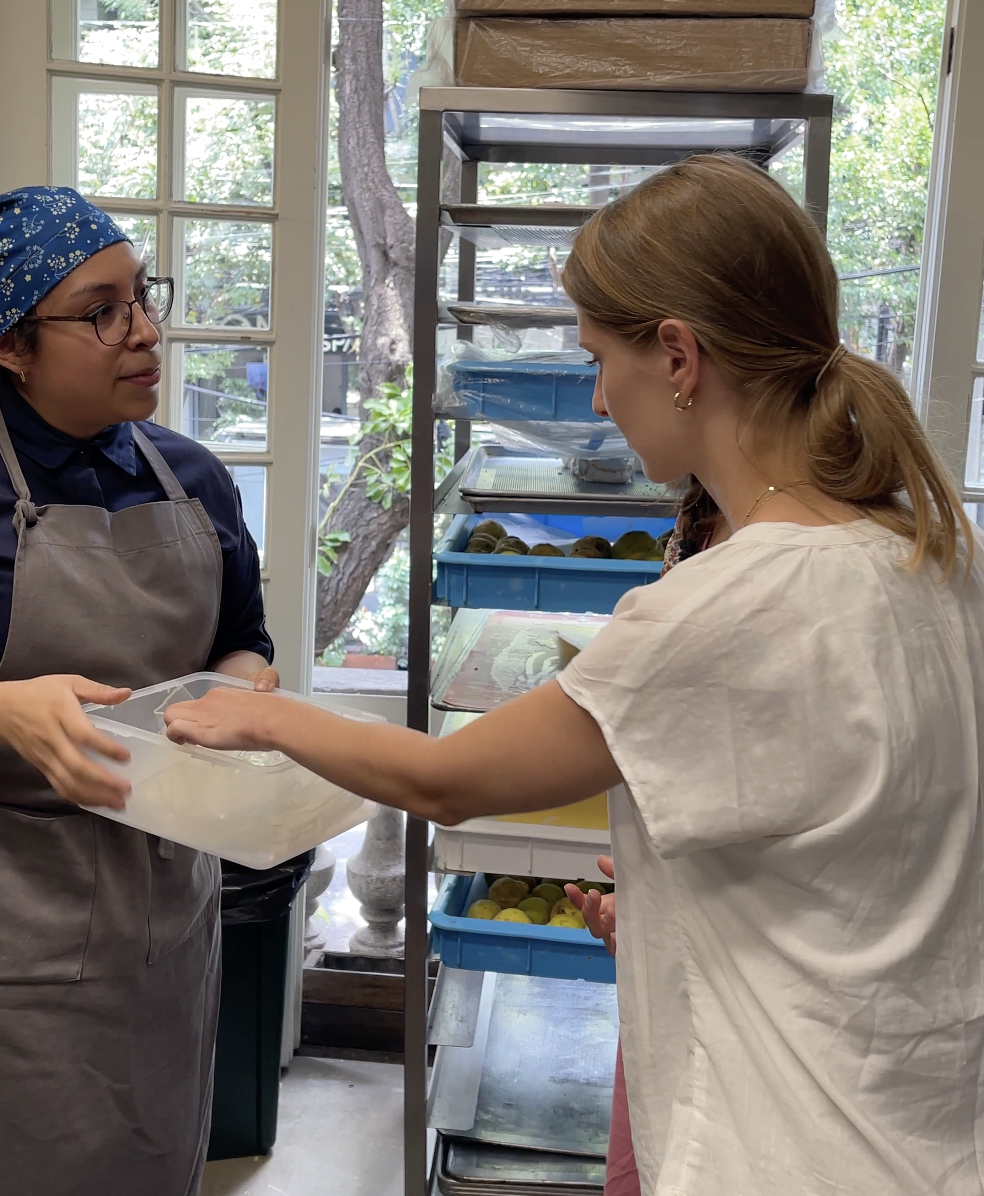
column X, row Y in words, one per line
column 585, row 442
column 438, row 69
column 636, row 8
column 508, row 386
column 675, row 53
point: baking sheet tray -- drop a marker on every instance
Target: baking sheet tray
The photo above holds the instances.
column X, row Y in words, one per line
column 495, row 474
column 547, row 1069
column 522, row 316
column 478, row 1169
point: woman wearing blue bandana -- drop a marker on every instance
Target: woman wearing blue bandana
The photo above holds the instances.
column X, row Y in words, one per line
column 124, row 561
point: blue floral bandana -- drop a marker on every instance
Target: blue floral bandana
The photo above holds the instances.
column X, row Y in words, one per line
column 45, row 232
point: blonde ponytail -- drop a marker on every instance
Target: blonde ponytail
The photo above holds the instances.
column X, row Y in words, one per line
column 718, row 244
column 866, row 447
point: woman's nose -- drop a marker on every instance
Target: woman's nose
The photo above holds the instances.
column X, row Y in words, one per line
column 598, row 399
column 142, row 330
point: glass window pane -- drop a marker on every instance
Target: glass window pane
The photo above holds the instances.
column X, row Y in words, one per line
column 232, row 37
column 125, row 33
column 142, row 231
column 228, row 149
column 104, row 137
column 225, row 273
column 224, row 395
column 980, row 335
column 252, row 483
column 975, row 444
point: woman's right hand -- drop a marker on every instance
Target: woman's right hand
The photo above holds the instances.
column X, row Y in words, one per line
column 597, row 909
column 43, row 721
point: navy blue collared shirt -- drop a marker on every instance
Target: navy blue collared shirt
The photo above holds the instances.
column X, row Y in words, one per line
column 109, row 471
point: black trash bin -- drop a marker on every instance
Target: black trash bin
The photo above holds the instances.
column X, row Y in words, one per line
column 255, row 937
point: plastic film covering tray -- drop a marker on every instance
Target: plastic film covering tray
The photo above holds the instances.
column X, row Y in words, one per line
column 516, row 391
column 541, row 582
column 672, row 53
column 524, row 950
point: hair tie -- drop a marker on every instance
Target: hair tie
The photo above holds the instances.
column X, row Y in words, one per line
column 832, row 360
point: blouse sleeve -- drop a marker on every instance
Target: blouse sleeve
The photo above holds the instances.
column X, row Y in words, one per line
column 709, row 723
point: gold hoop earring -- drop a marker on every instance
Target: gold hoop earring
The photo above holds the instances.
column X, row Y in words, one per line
column 689, row 403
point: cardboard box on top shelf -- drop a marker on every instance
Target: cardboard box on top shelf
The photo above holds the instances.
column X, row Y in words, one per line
column 635, row 8
column 652, row 53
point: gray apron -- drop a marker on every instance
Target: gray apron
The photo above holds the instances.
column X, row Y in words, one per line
column 109, row 947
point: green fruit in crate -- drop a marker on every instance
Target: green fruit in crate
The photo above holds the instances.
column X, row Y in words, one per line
column 545, row 550
column 508, row 892
column 570, row 921
column 593, row 547
column 489, row 527
column 513, row 915
column 536, row 909
column 565, row 906
column 484, row 909
column 512, row 546
column 587, row 885
column 550, row 893
column 636, row 546
column 481, row 543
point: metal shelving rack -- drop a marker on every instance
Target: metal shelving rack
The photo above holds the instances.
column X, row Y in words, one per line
column 620, row 128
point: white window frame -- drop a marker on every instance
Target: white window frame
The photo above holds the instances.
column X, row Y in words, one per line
column 297, row 292
column 945, row 360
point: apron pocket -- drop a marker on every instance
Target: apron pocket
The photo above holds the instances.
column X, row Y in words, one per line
column 184, row 892
column 47, row 889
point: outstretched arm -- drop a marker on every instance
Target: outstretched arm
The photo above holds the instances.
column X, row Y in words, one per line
column 535, row 752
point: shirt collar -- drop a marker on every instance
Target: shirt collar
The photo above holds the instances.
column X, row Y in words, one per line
column 50, row 448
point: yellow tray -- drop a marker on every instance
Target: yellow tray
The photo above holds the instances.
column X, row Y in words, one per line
column 590, row 814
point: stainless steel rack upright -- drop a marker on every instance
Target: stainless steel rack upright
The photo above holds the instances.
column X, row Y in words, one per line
column 619, row 128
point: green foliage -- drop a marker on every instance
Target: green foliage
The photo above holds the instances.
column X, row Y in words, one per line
column 883, row 73
column 117, row 144
column 227, row 272
column 128, row 10
column 328, row 545
column 384, row 466
column 233, row 37
column 229, row 150
column 384, row 631
column 124, row 33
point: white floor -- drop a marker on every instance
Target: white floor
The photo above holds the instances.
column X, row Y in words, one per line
column 339, row 1134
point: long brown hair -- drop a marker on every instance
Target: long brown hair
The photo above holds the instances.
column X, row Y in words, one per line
column 715, row 242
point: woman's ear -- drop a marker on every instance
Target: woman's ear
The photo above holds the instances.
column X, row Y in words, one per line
column 683, row 356
column 13, row 357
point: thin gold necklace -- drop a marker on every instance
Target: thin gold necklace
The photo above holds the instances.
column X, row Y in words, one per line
column 767, row 493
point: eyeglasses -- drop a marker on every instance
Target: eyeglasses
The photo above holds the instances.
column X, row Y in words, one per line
column 112, row 320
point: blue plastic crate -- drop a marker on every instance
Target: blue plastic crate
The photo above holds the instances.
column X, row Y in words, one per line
column 510, row 391
column 552, row 583
column 480, row 946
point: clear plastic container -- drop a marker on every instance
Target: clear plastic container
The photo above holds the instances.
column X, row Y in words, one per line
column 254, row 808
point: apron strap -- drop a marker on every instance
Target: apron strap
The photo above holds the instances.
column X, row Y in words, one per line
column 25, row 512
column 162, row 471
column 13, row 465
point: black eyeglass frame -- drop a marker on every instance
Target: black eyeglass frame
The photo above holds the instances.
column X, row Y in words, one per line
column 128, row 303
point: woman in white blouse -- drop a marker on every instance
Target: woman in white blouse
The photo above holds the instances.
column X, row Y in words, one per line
column 788, row 725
